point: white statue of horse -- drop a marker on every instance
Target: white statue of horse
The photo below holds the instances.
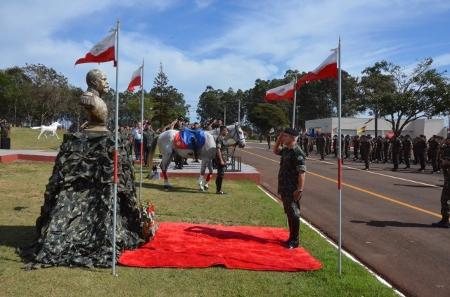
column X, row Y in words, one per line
column 168, row 147
column 52, row 128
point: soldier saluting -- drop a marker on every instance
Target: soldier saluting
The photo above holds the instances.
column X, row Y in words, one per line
column 291, row 180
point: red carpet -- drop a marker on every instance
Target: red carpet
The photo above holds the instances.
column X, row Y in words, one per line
column 184, row 245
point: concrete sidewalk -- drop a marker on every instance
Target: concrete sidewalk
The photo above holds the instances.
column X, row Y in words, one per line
column 7, row 156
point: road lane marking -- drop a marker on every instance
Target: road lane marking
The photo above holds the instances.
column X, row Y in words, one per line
column 365, row 171
column 381, row 174
column 380, row 196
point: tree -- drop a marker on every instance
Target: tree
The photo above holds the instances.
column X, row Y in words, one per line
column 373, row 86
column 210, row 104
column 317, row 99
column 50, row 92
column 14, row 89
column 169, row 103
column 133, row 106
column 408, row 96
column 266, row 116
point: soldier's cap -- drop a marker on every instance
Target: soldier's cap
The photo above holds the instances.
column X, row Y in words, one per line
column 291, row 131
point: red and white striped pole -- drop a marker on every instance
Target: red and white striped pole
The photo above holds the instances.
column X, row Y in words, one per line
column 142, row 127
column 340, row 153
column 116, row 153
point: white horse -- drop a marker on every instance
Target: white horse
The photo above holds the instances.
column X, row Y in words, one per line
column 168, row 147
column 52, row 128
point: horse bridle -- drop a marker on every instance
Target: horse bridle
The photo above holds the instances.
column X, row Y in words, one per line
column 238, row 142
column 235, row 132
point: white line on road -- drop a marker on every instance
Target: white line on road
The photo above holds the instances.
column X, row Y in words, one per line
column 367, row 171
column 380, row 174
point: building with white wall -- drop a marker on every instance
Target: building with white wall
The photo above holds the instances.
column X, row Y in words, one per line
column 351, row 126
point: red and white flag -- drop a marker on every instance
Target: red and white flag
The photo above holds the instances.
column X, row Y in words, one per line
column 284, row 92
column 136, row 80
column 328, row 69
column 104, row 51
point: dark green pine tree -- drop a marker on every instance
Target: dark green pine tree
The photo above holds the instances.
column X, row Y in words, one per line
column 169, row 102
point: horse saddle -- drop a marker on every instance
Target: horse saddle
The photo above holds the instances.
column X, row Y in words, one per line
column 188, row 138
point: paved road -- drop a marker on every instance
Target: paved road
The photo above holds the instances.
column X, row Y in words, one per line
column 386, row 217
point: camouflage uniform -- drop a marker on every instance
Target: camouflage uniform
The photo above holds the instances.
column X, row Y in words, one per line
column 75, row 223
column 366, row 150
column 355, row 147
column 320, row 143
column 421, row 148
column 433, row 151
column 347, row 146
column 445, row 196
column 291, row 164
column 222, row 146
column 306, row 145
column 396, row 149
column 386, row 144
column 407, row 146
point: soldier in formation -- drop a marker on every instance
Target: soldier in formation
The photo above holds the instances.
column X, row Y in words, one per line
column 421, row 150
column 320, row 144
column 327, row 145
column 407, row 147
column 379, row 149
column 396, row 151
column 347, row 146
column 356, row 142
column 306, row 142
column 366, row 150
column 445, row 195
column 434, row 144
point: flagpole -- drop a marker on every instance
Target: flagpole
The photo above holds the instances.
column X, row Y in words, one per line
column 295, row 102
column 239, row 110
column 116, row 152
column 142, row 125
column 340, row 153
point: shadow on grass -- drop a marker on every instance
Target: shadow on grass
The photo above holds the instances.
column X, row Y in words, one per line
column 392, row 224
column 16, row 236
column 172, row 189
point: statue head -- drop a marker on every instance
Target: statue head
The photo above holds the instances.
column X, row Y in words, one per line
column 96, row 79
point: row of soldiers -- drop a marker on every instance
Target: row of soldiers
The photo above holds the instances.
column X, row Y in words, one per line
column 397, row 149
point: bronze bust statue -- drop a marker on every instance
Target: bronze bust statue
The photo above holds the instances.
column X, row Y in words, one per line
column 91, row 100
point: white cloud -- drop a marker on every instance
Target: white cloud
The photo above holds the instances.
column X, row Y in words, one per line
column 300, row 33
column 442, row 60
column 262, row 39
column 203, row 3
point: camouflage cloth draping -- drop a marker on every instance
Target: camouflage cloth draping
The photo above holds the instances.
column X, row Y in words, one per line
column 75, row 225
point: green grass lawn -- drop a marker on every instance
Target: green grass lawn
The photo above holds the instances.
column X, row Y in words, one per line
column 22, row 188
column 26, row 139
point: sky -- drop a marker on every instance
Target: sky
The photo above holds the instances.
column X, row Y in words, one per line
column 223, row 43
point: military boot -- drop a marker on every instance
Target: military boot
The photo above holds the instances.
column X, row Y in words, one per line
column 444, row 223
column 294, row 231
column 290, row 232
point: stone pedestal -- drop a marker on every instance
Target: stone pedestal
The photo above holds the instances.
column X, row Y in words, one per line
column 75, row 225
